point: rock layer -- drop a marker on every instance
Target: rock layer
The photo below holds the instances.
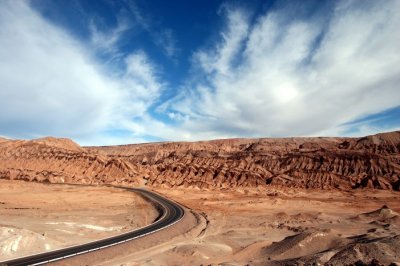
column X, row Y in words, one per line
column 324, row 163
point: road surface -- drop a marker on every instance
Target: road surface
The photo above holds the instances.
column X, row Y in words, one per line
column 170, row 213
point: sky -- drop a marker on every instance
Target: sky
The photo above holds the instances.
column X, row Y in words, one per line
column 130, row 71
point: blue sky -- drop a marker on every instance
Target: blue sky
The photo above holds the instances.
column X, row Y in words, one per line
column 114, row 72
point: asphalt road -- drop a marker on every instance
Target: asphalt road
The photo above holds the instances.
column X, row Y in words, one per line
column 170, row 213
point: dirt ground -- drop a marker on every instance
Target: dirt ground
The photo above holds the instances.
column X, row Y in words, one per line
column 284, row 227
column 273, row 226
column 38, row 217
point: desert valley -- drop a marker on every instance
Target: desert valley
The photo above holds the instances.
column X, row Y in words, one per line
column 200, row 133
column 288, row 201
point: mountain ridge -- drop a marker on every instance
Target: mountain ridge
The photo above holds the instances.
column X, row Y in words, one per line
column 310, row 163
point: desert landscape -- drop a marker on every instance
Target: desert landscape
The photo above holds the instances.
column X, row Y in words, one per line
column 200, row 133
column 331, row 201
column 38, row 218
column 288, row 227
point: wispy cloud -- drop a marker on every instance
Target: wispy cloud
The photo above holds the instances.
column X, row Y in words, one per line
column 167, row 41
column 141, row 84
column 274, row 75
column 162, row 37
column 52, row 85
column 296, row 76
column 106, row 41
column 219, row 59
column 130, row 18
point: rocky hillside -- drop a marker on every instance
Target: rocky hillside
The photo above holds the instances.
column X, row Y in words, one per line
column 326, row 163
column 58, row 161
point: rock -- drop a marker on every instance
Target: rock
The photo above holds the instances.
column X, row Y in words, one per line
column 320, row 163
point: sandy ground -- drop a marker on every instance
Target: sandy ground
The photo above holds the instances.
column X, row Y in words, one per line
column 271, row 226
column 38, row 217
column 283, row 227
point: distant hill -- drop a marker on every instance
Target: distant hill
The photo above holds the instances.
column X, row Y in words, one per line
column 320, row 163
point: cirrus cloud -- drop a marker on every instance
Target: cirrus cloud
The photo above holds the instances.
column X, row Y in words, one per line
column 276, row 74
column 51, row 84
column 295, row 76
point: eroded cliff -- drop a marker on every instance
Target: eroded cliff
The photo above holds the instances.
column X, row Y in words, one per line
column 326, row 163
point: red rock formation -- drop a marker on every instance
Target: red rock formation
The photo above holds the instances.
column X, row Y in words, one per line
column 57, row 161
column 326, row 163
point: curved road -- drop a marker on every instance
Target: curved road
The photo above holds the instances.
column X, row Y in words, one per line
column 170, row 213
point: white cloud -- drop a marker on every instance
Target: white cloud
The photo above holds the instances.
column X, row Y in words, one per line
column 286, row 85
column 365, row 130
column 141, row 84
column 163, row 38
column 263, row 79
column 51, row 84
column 106, row 41
column 221, row 59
